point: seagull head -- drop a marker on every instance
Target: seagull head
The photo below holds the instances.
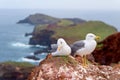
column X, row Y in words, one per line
column 91, row 36
column 61, row 42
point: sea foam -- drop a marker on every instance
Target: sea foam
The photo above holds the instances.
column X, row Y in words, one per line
column 29, row 60
column 19, row 44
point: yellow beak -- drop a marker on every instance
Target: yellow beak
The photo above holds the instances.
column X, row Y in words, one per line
column 97, row 37
column 59, row 47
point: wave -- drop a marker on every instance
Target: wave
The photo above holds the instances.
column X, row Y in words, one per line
column 40, row 46
column 29, row 60
column 19, row 44
column 44, row 54
column 31, row 53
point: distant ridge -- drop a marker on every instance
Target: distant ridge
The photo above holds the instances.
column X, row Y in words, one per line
column 42, row 19
column 38, row 18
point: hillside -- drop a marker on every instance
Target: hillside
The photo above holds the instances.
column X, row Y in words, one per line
column 48, row 29
column 69, row 32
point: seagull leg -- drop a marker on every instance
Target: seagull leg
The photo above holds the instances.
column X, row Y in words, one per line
column 85, row 61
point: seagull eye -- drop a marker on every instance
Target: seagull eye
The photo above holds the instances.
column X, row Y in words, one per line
column 90, row 36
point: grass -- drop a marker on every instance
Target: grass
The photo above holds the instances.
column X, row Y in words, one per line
column 60, row 61
column 64, row 22
column 78, row 32
column 69, row 61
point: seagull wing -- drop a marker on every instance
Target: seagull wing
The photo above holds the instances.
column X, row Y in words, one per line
column 53, row 48
column 77, row 45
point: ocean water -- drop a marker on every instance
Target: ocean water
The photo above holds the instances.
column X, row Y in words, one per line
column 14, row 45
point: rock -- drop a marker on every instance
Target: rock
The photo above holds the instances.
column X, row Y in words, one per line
column 10, row 72
column 33, row 57
column 42, row 38
column 108, row 50
column 28, row 34
column 68, row 68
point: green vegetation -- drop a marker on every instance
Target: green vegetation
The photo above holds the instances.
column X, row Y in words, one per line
column 69, row 61
column 71, row 29
column 18, row 64
column 60, row 60
column 78, row 31
column 64, row 22
column 81, row 30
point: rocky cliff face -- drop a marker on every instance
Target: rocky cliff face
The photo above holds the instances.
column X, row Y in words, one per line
column 11, row 72
column 109, row 50
column 69, row 68
column 42, row 38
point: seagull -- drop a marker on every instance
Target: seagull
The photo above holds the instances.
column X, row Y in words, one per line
column 84, row 47
column 62, row 48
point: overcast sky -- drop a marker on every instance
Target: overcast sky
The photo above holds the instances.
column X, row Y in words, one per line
column 61, row 4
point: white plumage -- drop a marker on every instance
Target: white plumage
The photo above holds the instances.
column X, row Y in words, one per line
column 62, row 48
column 84, row 47
column 89, row 45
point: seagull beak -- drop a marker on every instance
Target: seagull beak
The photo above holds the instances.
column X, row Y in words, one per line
column 59, row 47
column 97, row 37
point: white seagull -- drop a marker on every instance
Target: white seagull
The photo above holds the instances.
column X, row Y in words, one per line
column 84, row 47
column 62, row 48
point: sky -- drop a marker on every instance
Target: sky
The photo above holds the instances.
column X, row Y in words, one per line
column 61, row 4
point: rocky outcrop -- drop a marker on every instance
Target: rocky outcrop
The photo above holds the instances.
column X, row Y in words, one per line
column 33, row 57
column 42, row 38
column 11, row 72
column 69, row 68
column 108, row 50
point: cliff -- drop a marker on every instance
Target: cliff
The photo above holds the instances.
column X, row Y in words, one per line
column 69, row 68
column 70, row 33
column 48, row 29
column 15, row 70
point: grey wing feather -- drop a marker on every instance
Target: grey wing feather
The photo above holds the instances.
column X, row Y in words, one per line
column 53, row 47
column 77, row 45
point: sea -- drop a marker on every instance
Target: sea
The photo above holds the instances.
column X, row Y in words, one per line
column 13, row 43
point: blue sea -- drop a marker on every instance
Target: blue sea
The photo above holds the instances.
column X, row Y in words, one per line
column 14, row 45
